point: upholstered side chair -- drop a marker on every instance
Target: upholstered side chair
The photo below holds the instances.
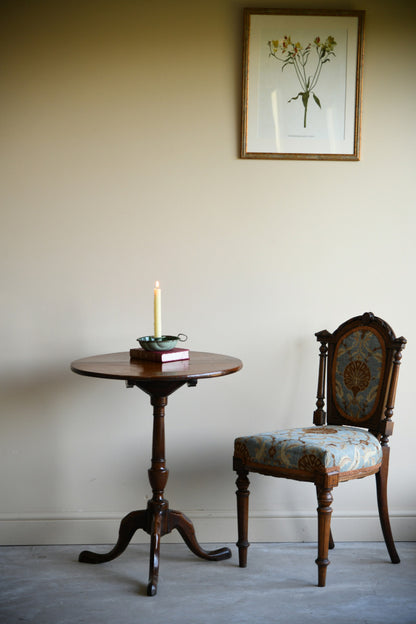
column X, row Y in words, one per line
column 358, row 369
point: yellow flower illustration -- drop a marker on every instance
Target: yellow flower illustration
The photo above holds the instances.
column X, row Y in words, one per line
column 330, row 43
column 296, row 55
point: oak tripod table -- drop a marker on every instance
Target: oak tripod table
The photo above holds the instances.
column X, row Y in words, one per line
column 159, row 381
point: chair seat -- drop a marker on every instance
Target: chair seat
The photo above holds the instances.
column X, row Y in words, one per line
column 312, row 448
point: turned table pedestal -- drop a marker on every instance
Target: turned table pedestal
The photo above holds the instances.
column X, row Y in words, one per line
column 158, row 381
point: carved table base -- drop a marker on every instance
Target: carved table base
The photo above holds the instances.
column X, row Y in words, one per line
column 157, row 520
column 156, row 524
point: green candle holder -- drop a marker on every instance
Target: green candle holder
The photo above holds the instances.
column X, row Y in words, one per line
column 164, row 343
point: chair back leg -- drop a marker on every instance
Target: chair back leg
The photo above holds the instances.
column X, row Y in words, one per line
column 383, row 510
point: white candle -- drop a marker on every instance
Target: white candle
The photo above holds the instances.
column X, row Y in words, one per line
column 157, row 301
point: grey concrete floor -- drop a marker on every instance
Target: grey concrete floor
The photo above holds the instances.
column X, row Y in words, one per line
column 47, row 585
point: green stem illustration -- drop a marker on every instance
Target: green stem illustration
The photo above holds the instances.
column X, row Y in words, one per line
column 305, row 99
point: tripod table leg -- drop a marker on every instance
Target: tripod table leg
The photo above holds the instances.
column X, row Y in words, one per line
column 179, row 521
column 128, row 526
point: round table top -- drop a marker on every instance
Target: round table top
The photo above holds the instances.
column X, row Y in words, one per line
column 120, row 366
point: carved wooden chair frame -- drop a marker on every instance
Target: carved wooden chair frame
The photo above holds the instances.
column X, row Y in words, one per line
column 379, row 423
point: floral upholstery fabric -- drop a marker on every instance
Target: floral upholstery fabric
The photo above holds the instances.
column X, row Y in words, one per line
column 358, row 368
column 312, row 448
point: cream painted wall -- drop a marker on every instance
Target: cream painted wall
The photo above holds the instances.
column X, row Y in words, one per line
column 119, row 165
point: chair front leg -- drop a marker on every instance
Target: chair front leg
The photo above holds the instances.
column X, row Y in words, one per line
column 324, row 530
column 243, row 494
column 331, row 539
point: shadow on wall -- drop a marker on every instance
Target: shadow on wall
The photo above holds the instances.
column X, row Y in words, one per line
column 33, row 411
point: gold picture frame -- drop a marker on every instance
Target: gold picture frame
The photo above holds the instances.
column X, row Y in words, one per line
column 302, row 83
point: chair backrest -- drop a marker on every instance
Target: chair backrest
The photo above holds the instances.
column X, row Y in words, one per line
column 363, row 357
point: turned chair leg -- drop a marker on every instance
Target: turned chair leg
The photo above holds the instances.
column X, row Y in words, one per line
column 331, row 544
column 243, row 494
column 324, row 530
column 383, row 510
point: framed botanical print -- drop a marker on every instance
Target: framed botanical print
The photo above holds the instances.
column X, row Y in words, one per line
column 302, row 76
